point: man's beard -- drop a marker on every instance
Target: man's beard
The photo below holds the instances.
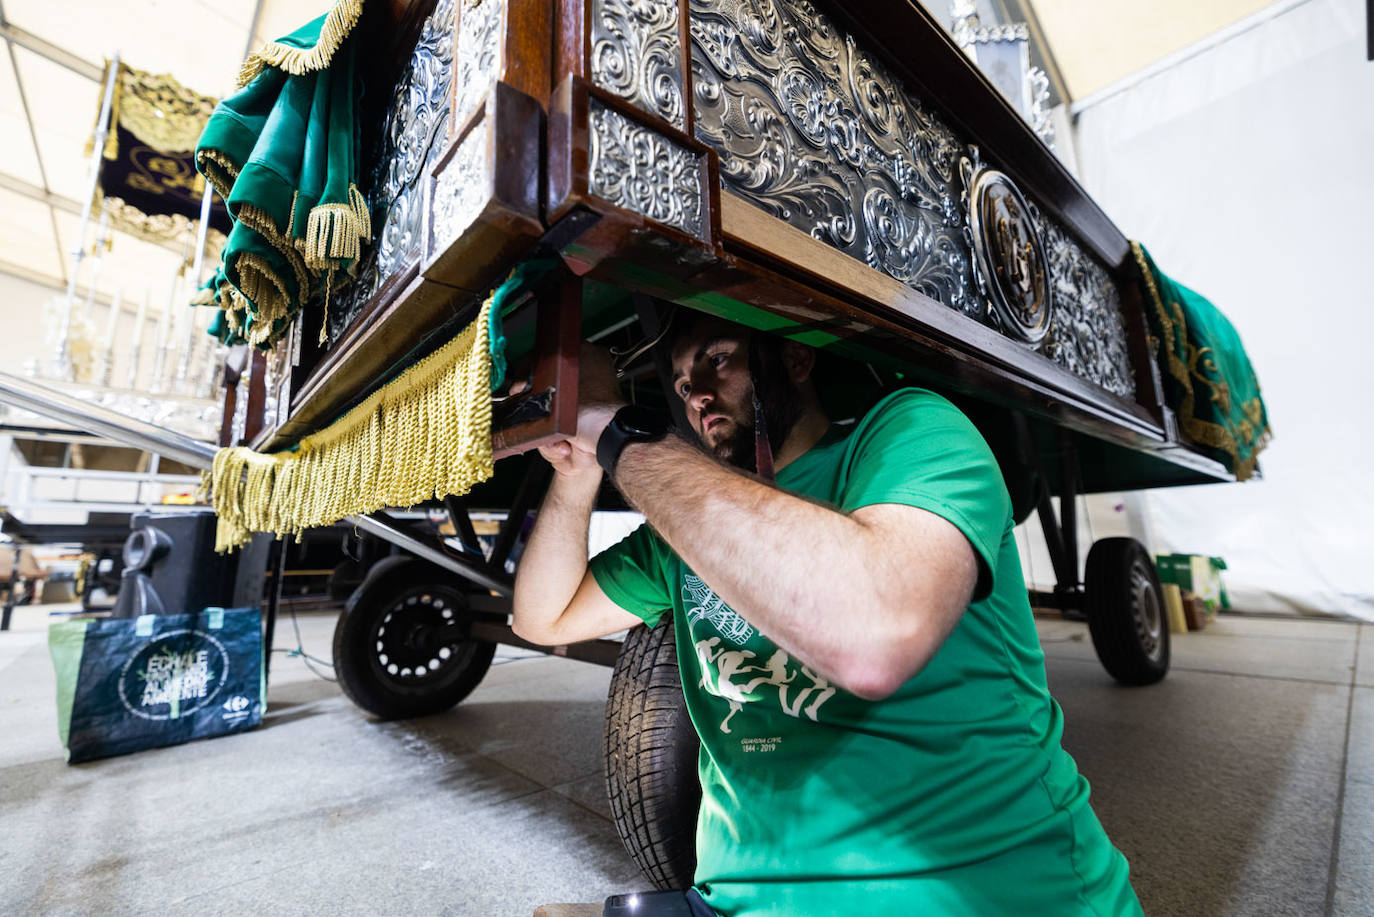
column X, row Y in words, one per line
column 782, row 406
column 738, row 448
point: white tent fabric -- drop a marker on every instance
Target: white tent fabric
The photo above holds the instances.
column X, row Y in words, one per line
column 1245, row 170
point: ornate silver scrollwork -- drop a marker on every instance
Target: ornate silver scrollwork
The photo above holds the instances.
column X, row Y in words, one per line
column 410, row 140
column 968, row 29
column 277, row 378
column 1009, row 257
column 1003, row 53
column 460, row 189
column 636, row 55
column 480, row 29
column 1039, row 83
column 238, row 423
column 816, row 132
column 1088, row 333
column 635, row 168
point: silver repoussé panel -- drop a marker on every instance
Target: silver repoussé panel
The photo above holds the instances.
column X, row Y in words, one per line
column 637, row 55
column 238, row 423
column 411, row 139
column 461, row 188
column 1087, row 335
column 818, row 133
column 635, row 168
column 479, row 54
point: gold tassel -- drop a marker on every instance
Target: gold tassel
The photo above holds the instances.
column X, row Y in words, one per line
column 340, row 21
column 334, row 234
column 424, row 435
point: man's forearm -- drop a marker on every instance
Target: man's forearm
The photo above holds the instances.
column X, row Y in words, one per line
column 802, row 573
column 555, row 557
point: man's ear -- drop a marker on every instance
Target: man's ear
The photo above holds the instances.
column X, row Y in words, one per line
column 799, row 360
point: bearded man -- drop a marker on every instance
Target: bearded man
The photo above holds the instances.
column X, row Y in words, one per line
column 855, row 639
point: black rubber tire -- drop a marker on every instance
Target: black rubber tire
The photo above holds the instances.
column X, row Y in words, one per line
column 651, row 758
column 1125, row 608
column 394, row 614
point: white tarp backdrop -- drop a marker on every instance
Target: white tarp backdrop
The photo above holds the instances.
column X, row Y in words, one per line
column 1248, row 171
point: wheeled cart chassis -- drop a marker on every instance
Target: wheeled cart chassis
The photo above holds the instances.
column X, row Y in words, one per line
column 840, row 174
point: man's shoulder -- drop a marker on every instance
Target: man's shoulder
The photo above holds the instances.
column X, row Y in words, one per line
column 912, row 406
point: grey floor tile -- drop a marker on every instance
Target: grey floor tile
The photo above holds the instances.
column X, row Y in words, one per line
column 588, row 792
column 1354, row 891
column 502, row 861
column 1221, row 790
column 1364, row 666
column 1314, row 651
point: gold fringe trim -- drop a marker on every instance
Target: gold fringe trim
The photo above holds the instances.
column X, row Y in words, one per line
column 425, row 434
column 219, row 170
column 266, row 290
column 335, row 233
column 1199, row 430
column 161, row 112
column 340, row 21
column 258, row 219
column 160, row 227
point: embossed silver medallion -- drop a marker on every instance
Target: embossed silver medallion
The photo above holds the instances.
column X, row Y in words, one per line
column 1012, row 269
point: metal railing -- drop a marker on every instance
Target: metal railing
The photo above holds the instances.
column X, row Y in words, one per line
column 101, row 421
column 30, row 491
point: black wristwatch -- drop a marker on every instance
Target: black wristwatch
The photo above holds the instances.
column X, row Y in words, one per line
column 634, row 423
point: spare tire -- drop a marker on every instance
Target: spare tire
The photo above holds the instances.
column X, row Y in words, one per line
column 651, row 758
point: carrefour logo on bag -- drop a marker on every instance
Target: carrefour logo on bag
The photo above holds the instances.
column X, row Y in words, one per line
column 236, row 707
column 174, row 675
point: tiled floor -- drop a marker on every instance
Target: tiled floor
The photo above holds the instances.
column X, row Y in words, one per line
column 1228, row 786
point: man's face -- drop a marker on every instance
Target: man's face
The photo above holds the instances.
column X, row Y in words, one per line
column 711, row 376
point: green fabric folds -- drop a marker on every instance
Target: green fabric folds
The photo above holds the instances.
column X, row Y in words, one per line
column 283, row 153
column 1208, row 379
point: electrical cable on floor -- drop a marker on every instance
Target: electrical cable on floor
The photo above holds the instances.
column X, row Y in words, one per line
column 305, row 657
column 502, row 660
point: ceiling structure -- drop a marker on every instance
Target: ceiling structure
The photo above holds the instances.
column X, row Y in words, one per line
column 50, row 95
column 1096, row 44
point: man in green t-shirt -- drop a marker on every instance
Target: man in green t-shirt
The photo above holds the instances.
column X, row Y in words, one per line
column 856, row 646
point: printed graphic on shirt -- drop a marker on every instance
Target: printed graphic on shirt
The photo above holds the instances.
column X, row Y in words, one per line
column 701, row 603
column 730, row 674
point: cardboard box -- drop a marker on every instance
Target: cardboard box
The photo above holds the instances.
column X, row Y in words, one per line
column 1195, row 573
column 1195, row 611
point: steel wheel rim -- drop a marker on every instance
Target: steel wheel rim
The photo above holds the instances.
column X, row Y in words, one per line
column 405, row 650
column 1147, row 615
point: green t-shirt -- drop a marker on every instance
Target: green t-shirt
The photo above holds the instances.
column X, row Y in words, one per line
column 952, row 796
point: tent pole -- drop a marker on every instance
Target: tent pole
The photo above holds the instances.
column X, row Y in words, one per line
column 62, row 363
column 184, row 363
